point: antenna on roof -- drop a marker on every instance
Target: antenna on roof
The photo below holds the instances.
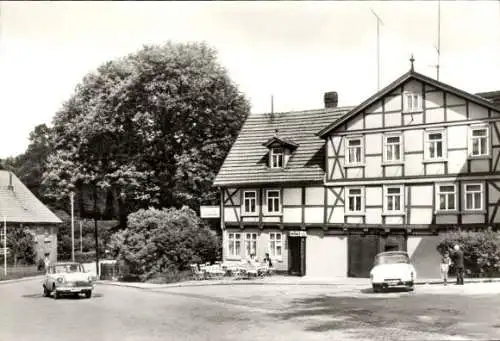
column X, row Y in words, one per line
column 379, row 21
column 438, row 47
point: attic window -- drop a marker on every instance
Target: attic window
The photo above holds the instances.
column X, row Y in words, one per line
column 412, row 101
column 276, row 157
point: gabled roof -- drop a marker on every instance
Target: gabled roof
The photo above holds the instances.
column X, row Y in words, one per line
column 398, row 82
column 247, row 163
column 19, row 205
column 282, row 141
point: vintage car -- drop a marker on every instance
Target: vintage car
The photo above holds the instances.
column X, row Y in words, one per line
column 392, row 269
column 67, row 278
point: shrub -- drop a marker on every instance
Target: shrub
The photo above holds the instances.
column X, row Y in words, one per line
column 164, row 242
column 481, row 251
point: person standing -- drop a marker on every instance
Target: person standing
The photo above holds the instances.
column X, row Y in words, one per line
column 458, row 260
column 445, row 267
column 46, row 263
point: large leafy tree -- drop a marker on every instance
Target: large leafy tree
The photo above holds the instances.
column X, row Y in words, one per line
column 151, row 128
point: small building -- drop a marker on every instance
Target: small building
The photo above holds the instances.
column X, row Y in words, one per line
column 22, row 209
column 323, row 191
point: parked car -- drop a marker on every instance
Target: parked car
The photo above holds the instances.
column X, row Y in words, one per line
column 392, row 269
column 67, row 278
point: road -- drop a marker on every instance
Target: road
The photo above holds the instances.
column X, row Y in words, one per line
column 252, row 312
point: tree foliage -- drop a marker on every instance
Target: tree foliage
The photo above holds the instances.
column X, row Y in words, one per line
column 481, row 251
column 21, row 245
column 162, row 241
column 151, row 128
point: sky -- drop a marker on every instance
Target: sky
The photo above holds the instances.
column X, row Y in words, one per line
column 294, row 51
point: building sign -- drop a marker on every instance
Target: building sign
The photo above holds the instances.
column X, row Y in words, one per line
column 210, row 211
column 297, row 234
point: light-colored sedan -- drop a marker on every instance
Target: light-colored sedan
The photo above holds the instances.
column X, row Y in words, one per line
column 67, row 278
column 392, row 269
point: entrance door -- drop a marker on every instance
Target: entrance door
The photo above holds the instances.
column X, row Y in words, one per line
column 297, row 256
column 362, row 250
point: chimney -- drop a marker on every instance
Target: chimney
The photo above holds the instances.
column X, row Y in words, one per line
column 331, row 99
column 10, row 187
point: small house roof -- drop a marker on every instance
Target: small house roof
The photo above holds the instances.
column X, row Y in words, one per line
column 247, row 164
column 19, row 205
column 281, row 141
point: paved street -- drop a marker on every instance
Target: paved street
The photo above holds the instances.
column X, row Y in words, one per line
column 252, row 312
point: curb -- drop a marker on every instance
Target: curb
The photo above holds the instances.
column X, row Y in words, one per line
column 233, row 283
column 24, row 279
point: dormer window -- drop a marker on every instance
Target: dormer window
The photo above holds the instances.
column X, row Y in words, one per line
column 277, row 157
column 280, row 151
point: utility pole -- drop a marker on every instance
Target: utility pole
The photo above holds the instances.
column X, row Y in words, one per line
column 72, row 199
column 379, row 21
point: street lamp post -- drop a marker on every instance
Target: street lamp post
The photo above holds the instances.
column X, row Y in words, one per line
column 72, row 195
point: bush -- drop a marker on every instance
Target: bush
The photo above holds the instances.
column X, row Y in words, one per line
column 481, row 251
column 160, row 242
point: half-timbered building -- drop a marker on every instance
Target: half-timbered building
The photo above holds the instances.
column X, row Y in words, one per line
column 323, row 191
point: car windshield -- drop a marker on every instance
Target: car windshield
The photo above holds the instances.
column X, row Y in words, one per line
column 392, row 259
column 67, row 268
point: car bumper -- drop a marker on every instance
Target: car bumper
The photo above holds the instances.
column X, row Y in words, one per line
column 393, row 283
column 74, row 290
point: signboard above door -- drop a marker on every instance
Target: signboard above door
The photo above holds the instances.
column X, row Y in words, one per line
column 210, row 211
column 297, row 234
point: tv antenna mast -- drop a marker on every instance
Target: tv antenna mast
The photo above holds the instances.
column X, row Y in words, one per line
column 379, row 21
column 438, row 47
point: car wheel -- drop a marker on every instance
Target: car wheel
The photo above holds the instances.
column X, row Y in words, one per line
column 411, row 288
column 88, row 294
column 376, row 288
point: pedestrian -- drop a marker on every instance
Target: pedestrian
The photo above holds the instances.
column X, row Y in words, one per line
column 268, row 263
column 46, row 263
column 445, row 266
column 458, row 261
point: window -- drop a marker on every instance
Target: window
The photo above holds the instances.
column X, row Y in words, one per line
column 275, row 245
column 412, row 101
column 249, row 202
column 276, row 157
column 273, row 201
column 234, row 240
column 251, row 243
column 447, row 198
column 393, row 199
column 474, row 197
column 479, row 141
column 435, row 142
column 354, row 151
column 354, row 200
column 392, row 150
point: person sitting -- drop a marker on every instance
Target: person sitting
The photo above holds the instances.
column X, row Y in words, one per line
column 268, row 263
column 252, row 267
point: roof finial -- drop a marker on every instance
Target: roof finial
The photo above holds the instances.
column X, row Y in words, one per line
column 411, row 61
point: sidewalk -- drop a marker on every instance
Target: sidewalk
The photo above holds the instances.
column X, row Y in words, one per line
column 284, row 280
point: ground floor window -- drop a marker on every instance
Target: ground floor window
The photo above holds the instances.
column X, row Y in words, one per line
column 251, row 244
column 234, row 241
column 275, row 244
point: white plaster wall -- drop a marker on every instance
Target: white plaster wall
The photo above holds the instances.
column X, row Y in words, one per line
column 315, row 195
column 326, row 256
column 314, row 214
column 424, row 256
column 292, row 196
column 292, row 215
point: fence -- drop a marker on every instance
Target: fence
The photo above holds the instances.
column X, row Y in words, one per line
column 19, row 272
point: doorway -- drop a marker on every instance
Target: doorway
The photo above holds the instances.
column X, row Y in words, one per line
column 297, row 256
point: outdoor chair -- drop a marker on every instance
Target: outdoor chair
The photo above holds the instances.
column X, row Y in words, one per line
column 214, row 272
column 198, row 274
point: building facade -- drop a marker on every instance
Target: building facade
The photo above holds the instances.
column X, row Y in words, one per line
column 324, row 191
column 21, row 209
